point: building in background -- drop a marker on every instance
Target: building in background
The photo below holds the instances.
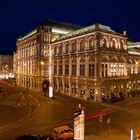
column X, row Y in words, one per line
column 6, row 66
column 86, row 62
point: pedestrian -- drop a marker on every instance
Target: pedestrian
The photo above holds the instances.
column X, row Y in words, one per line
column 100, row 120
column 108, row 123
column 108, row 120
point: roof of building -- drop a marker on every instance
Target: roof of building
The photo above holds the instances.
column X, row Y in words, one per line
column 59, row 24
column 133, row 47
column 134, row 51
column 57, row 27
column 86, row 29
column 133, row 43
column 27, row 35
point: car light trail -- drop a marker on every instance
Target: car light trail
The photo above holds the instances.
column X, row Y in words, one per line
column 95, row 115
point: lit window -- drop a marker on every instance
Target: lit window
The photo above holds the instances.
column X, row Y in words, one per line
column 82, row 45
column 73, row 69
column 91, row 70
column 91, row 43
column 82, row 70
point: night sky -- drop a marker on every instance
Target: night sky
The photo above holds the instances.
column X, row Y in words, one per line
column 18, row 17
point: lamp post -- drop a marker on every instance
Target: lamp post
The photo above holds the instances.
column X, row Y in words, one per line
column 50, row 70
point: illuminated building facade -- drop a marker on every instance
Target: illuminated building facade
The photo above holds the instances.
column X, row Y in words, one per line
column 85, row 62
column 31, row 60
column 6, row 66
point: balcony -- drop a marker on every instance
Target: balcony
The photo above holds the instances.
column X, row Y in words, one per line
column 115, row 77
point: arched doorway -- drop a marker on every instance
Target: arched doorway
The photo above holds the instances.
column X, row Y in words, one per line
column 45, row 86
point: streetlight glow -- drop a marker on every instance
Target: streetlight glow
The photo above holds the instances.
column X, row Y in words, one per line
column 42, row 63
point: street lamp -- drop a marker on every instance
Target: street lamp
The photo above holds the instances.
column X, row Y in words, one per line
column 50, row 71
column 96, row 94
column 42, row 63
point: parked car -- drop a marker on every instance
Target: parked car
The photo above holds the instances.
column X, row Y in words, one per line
column 137, row 137
column 62, row 133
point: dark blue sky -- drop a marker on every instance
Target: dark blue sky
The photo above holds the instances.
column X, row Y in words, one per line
column 18, row 17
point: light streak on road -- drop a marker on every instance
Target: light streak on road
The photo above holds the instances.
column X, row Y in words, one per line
column 38, row 104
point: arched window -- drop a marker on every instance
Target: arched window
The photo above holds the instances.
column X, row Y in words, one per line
column 60, row 68
column 91, row 66
column 113, row 44
column 82, row 45
column 91, row 43
column 82, row 67
column 74, row 47
column 104, row 66
column 55, row 67
column 67, row 48
column 104, row 42
column 122, row 45
column 74, row 67
column 60, row 49
column 67, row 67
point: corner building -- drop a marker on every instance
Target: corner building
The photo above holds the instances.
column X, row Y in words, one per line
column 31, row 60
column 85, row 62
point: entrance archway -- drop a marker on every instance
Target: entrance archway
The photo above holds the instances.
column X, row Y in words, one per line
column 45, row 86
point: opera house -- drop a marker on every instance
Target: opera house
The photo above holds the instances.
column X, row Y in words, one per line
column 77, row 61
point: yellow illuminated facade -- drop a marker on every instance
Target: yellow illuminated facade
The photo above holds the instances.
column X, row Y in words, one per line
column 92, row 60
column 6, row 66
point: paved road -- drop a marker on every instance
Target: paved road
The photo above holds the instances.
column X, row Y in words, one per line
column 30, row 113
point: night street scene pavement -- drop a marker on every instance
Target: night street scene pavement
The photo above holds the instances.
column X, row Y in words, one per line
column 30, row 113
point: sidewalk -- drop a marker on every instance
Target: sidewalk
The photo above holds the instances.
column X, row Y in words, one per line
column 112, row 134
column 105, row 137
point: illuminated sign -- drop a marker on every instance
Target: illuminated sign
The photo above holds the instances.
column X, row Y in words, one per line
column 79, row 124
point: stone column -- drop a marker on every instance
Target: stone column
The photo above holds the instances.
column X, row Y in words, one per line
column 57, row 82
column 57, row 67
column 117, row 69
column 70, row 67
column 63, row 67
column 78, row 67
column 108, row 69
column 77, row 89
column 63, row 86
column 125, row 69
column 86, row 66
column 70, row 91
column 86, row 91
column 96, row 66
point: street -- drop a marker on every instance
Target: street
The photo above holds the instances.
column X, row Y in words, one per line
column 31, row 113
